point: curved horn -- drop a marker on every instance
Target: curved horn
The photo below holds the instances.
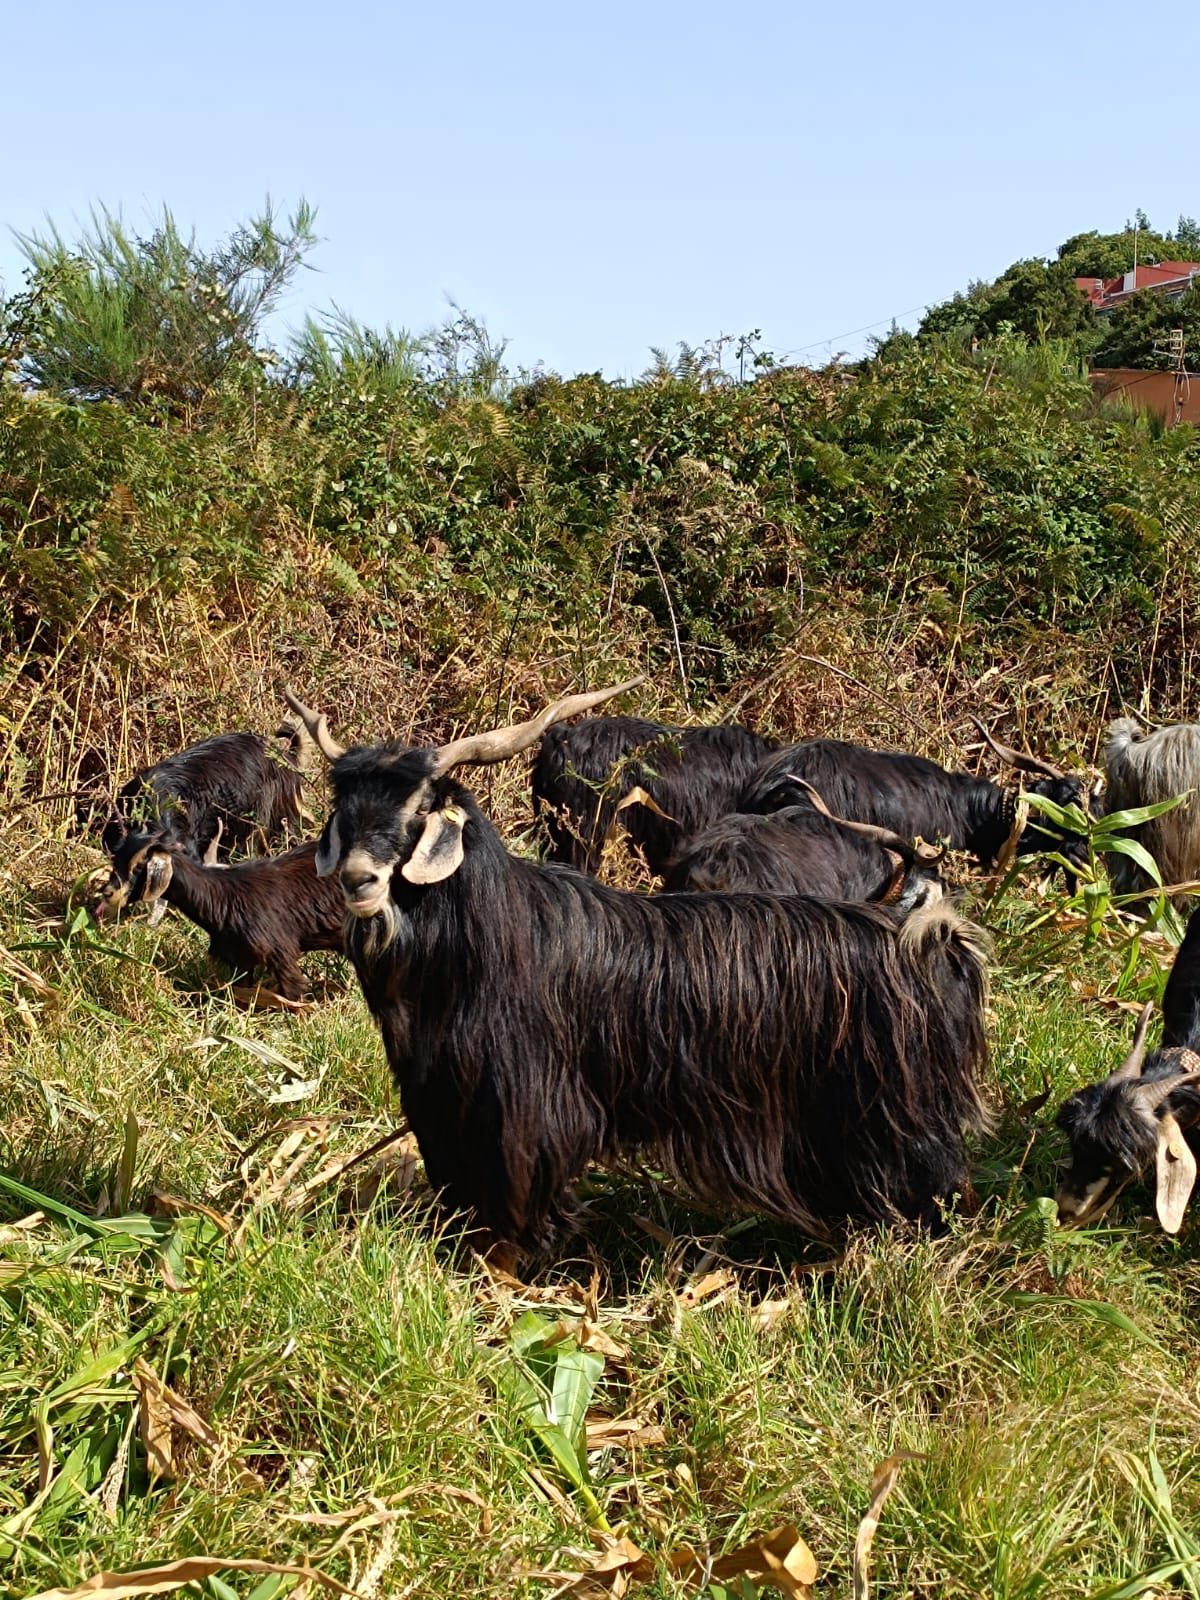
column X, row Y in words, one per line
column 210, row 854
column 318, row 728
column 1156, row 1091
column 894, row 888
column 905, row 848
column 1132, row 1065
column 482, row 749
column 1020, row 759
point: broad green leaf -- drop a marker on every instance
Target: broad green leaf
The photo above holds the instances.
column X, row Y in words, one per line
column 1136, row 852
column 1139, row 814
column 576, row 1374
column 1098, row 1310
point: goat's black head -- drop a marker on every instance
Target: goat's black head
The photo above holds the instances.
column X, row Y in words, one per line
column 395, row 807
column 1118, row 1127
column 391, row 812
column 140, row 873
column 1040, row 834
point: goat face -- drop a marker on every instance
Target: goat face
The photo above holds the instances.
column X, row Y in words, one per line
column 389, row 813
column 1040, row 834
column 1119, row 1127
column 141, row 873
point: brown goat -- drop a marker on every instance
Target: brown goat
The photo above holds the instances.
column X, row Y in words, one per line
column 258, row 913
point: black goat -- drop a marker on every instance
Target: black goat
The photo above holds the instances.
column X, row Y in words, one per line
column 258, row 913
column 1141, row 769
column 1148, row 1110
column 802, row 850
column 781, row 1055
column 241, row 786
column 919, row 799
column 693, row 775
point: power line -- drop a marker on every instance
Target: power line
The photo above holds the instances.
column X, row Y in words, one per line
column 866, row 328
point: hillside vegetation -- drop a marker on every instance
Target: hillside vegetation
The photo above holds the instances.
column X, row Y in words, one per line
column 423, row 541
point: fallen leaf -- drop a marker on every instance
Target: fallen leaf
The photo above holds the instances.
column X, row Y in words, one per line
column 182, row 1414
column 712, row 1283
column 637, row 796
column 882, row 1483
column 781, row 1558
column 154, row 1423
column 623, row 1432
column 174, row 1574
column 769, row 1312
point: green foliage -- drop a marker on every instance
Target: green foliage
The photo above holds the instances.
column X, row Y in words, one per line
column 549, row 1381
column 1038, row 299
column 158, row 321
column 1035, row 298
column 1133, row 333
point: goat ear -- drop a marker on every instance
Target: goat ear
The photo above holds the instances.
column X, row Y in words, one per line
column 329, row 849
column 439, row 850
column 158, row 875
column 1176, row 1173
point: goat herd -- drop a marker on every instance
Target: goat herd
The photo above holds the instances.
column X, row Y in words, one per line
column 794, row 1026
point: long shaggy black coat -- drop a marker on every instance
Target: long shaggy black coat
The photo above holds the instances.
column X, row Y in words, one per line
column 585, row 769
column 798, row 851
column 812, row 1062
column 911, row 795
column 242, row 786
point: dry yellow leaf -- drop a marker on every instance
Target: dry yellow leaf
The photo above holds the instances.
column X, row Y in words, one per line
column 174, row 1574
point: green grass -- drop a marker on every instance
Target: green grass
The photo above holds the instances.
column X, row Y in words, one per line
column 351, row 1355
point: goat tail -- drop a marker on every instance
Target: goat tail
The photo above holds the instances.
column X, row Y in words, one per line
column 930, row 931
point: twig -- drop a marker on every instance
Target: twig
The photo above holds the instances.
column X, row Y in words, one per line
column 687, row 705
column 819, row 661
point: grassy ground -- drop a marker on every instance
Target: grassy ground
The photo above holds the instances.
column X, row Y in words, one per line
column 339, row 1368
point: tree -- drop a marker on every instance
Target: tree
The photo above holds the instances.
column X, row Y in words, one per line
column 1036, row 298
column 1132, row 329
column 155, row 321
column 1108, row 255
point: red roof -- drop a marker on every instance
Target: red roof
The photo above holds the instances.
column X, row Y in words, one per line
column 1106, row 292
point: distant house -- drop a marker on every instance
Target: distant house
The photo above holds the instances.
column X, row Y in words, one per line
column 1173, row 396
column 1171, row 279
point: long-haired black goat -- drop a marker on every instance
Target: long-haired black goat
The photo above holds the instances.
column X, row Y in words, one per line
column 807, row 1060
column 583, row 772
column 917, row 798
column 1147, row 1111
column 260, row 913
column 804, row 850
column 242, row 787
column 1142, row 769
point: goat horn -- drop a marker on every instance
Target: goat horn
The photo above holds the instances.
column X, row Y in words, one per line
column 482, row 749
column 210, row 854
column 1132, row 1065
column 317, row 726
column 894, row 887
column 1020, row 759
column 1156, row 1091
column 905, row 848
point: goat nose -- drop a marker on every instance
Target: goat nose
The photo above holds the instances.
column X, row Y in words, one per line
column 355, row 879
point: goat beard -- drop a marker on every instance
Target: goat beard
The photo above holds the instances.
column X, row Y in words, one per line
column 370, row 937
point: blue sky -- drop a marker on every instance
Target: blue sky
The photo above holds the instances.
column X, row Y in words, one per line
column 595, row 180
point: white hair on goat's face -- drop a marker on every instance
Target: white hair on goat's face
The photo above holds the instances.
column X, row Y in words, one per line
column 383, row 801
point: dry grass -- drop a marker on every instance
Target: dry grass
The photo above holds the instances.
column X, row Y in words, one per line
column 337, row 1337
